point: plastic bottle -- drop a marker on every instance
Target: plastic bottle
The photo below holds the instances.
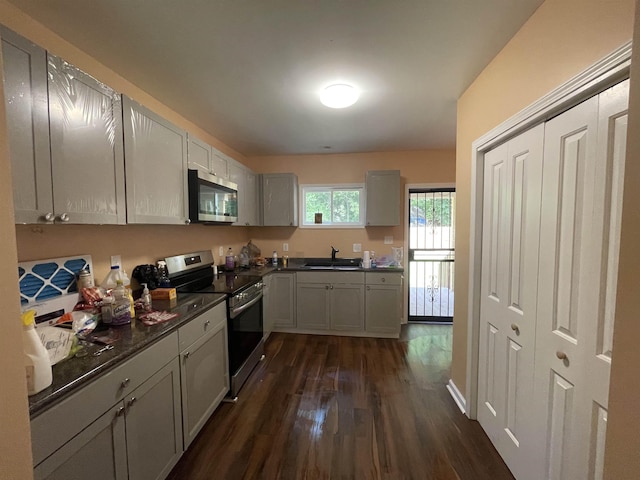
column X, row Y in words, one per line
column 110, row 281
column 121, row 306
column 229, row 261
column 163, row 281
column 36, row 357
column 274, row 259
column 146, row 297
column 374, row 262
column 107, row 309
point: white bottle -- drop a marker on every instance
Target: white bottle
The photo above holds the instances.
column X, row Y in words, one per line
column 146, row 297
column 36, row 357
column 274, row 259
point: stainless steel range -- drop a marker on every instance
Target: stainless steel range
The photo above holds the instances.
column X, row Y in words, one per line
column 193, row 273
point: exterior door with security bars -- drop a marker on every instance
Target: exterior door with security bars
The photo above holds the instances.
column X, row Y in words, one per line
column 431, row 254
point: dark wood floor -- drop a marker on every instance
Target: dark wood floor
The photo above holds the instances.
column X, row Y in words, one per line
column 322, row 407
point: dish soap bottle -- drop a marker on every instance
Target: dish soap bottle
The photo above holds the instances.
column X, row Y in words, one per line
column 121, row 307
column 274, row 259
column 146, row 297
column 229, row 261
column 36, row 357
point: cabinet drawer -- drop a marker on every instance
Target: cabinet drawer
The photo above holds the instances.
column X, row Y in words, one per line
column 206, row 322
column 383, row 278
column 67, row 418
column 330, row 277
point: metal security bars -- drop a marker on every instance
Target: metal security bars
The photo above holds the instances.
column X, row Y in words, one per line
column 431, row 254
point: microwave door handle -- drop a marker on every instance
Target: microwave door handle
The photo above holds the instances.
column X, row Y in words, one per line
column 237, row 311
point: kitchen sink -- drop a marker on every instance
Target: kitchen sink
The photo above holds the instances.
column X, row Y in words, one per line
column 327, row 263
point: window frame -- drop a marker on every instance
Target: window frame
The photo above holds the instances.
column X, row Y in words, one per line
column 317, row 187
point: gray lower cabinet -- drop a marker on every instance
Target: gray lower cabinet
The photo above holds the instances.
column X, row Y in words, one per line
column 383, row 197
column 204, row 368
column 330, row 301
column 279, row 302
column 280, row 199
column 125, row 424
column 156, row 167
column 383, row 303
column 65, row 137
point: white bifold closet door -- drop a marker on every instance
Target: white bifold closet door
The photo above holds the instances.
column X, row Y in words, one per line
column 578, row 269
column 511, row 219
column 551, row 227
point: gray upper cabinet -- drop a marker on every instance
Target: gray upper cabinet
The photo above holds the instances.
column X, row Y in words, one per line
column 25, row 88
column 199, row 154
column 248, row 201
column 280, row 199
column 156, row 167
column 383, row 197
column 219, row 164
column 252, row 198
column 65, row 139
column 87, row 162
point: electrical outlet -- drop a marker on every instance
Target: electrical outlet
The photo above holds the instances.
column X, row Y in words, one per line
column 285, row 247
column 357, row 247
column 220, row 251
column 388, row 239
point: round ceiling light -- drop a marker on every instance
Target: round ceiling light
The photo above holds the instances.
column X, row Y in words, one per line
column 339, row 95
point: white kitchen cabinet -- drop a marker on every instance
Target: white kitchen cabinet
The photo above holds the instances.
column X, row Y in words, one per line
column 109, row 426
column 280, row 199
column 383, row 303
column 198, row 154
column 204, row 369
column 65, row 137
column 383, row 197
column 219, row 164
column 247, row 194
column 330, row 301
column 280, row 301
column 156, row 167
column 252, row 198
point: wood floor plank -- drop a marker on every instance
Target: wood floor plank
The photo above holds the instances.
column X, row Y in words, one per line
column 324, row 407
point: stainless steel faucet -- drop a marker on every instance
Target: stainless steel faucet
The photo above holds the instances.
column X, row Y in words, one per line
column 333, row 253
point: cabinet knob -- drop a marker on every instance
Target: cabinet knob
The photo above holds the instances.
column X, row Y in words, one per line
column 561, row 355
column 207, row 323
column 368, row 287
column 120, row 412
column 125, row 382
column 132, row 400
column 331, row 287
column 515, row 328
column 186, row 354
column 64, row 217
column 187, row 221
column 384, row 279
column 49, row 217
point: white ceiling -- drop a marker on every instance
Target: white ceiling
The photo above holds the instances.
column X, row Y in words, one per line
column 249, row 71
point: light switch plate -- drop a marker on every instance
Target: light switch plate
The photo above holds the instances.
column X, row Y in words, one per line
column 388, row 239
column 285, row 247
column 357, row 247
column 220, row 251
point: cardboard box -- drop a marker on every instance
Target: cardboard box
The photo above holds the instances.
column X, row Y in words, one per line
column 163, row 294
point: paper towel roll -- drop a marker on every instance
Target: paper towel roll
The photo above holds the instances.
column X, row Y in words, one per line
column 365, row 256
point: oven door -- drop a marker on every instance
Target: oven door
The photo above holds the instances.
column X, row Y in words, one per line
column 245, row 340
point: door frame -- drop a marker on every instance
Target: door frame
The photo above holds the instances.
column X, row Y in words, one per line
column 610, row 70
column 405, row 247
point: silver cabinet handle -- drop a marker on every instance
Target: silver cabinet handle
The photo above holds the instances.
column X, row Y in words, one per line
column 186, row 355
column 132, row 401
column 125, row 382
column 561, row 355
column 120, row 412
column 187, row 221
column 384, row 279
column 331, row 287
column 64, row 217
column 49, row 217
column 207, row 323
column 326, row 287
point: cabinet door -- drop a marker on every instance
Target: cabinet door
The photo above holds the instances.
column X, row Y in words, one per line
column 25, row 89
column 204, row 379
column 199, row 154
column 312, row 300
column 282, row 300
column 383, row 309
column 251, row 198
column 156, row 167
column 383, row 197
column 219, row 164
column 347, row 307
column 154, row 425
column 87, row 162
column 98, row 452
column 280, row 199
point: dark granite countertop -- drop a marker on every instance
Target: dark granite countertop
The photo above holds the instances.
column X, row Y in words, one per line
column 298, row 265
column 72, row 373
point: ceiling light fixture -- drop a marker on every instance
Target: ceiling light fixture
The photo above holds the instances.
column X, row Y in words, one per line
column 339, row 95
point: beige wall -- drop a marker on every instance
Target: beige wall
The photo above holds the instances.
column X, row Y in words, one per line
column 15, row 437
column 623, row 424
column 435, row 166
column 561, row 39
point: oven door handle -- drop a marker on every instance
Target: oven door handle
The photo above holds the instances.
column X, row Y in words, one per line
column 237, row 311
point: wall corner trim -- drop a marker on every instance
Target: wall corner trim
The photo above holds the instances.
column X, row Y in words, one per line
column 457, row 396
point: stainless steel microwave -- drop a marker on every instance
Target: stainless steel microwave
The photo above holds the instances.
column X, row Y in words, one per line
column 212, row 199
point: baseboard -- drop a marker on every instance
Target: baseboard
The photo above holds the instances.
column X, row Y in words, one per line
column 457, row 396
